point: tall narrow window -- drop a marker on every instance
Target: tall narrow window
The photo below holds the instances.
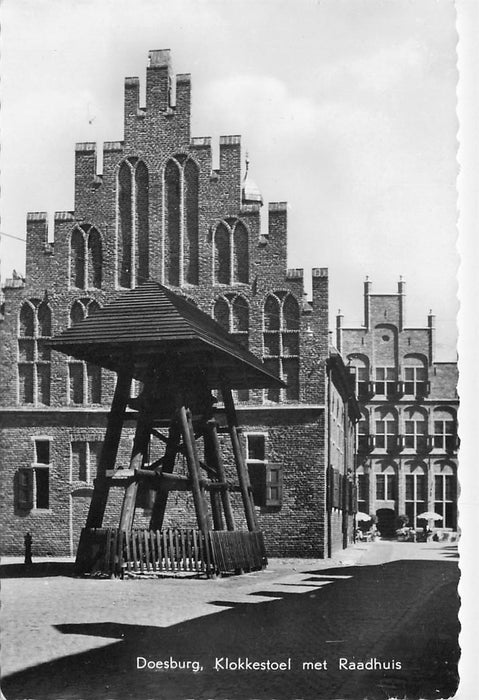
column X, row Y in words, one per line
column 86, row 258
column 34, row 481
column 281, row 343
column 181, row 187
column 362, row 484
column 94, row 259
column 142, row 222
column 125, row 225
column 415, row 432
column 33, row 488
column 266, row 478
column 445, row 434
column 362, row 434
column 445, row 495
column 222, row 255
column 240, row 253
column 386, row 485
column 415, row 494
column 34, row 354
column 85, row 455
column 190, row 246
column 231, row 253
column 77, row 244
column 133, row 223
column 84, row 379
column 386, row 432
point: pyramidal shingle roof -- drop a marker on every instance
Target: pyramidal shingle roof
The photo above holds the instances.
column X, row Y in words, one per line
column 150, row 326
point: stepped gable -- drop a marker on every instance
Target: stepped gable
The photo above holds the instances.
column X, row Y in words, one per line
column 152, row 326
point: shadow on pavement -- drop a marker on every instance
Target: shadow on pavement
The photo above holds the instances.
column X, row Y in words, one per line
column 37, row 570
column 403, row 613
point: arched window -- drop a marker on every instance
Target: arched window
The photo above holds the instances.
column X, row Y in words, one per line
column 240, row 253
column 34, row 354
column 190, row 243
column 77, row 243
column 232, row 312
column 95, row 259
column 281, row 343
column 84, row 379
column 221, row 313
column 27, row 322
column 86, row 258
column 181, row 221
column 231, row 253
column 222, row 255
column 142, row 222
column 133, row 222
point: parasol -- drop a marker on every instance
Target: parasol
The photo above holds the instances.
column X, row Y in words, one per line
column 362, row 517
column 429, row 515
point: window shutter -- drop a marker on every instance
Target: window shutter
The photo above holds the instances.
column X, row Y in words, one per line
column 354, row 498
column 25, row 489
column 274, row 484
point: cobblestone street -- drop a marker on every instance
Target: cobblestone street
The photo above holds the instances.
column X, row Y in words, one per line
column 393, row 602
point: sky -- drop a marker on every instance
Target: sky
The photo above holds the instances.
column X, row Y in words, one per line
column 347, row 110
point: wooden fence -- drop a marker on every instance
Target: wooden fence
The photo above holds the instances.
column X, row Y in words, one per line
column 112, row 552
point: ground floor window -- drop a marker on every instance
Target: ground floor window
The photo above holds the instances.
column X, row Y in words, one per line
column 445, row 497
column 415, row 495
column 85, row 458
column 33, row 490
column 266, row 478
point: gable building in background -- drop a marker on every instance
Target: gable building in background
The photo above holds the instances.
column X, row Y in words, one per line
column 407, row 435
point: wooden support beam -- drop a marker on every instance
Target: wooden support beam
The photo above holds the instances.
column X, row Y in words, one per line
column 159, row 506
column 243, row 476
column 193, row 468
column 212, row 448
column 109, row 450
column 148, row 473
column 159, row 435
column 139, row 455
column 215, row 496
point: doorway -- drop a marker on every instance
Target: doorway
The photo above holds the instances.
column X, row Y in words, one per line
column 386, row 522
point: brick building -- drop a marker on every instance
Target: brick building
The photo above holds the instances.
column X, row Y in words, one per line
column 407, row 435
column 160, row 211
